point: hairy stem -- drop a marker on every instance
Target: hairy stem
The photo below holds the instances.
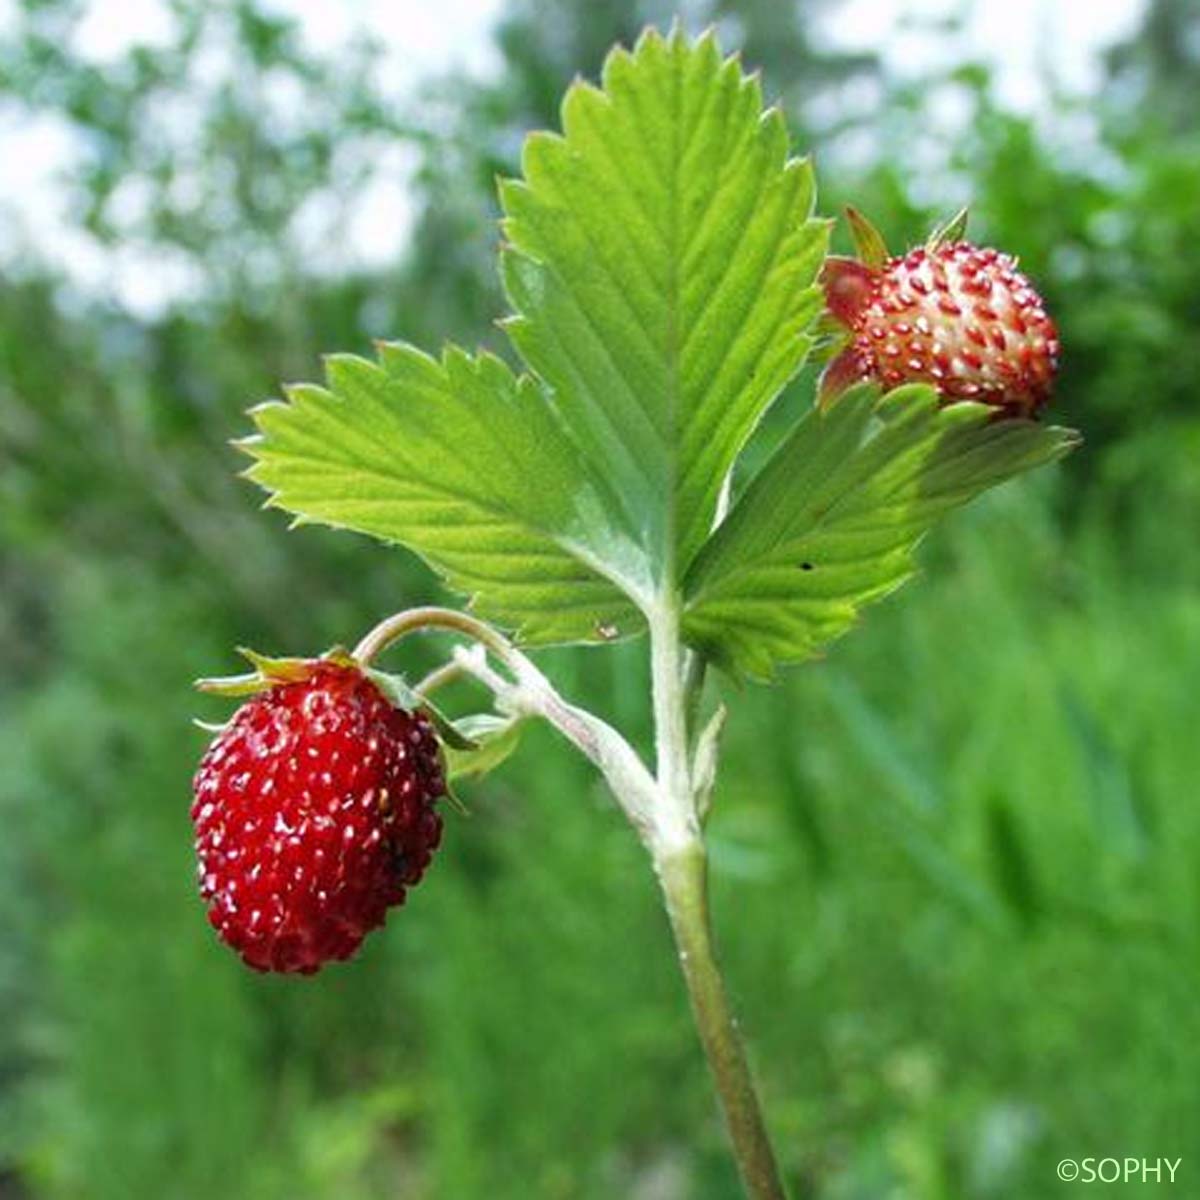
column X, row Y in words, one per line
column 532, row 695
column 664, row 809
column 676, row 817
column 439, row 677
column 450, row 620
column 684, row 878
column 677, row 845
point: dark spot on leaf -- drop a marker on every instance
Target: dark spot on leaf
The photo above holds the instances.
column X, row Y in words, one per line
column 806, row 566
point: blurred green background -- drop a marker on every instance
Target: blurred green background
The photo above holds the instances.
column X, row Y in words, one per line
column 956, row 862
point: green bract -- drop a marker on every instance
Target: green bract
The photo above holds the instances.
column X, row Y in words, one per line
column 661, row 261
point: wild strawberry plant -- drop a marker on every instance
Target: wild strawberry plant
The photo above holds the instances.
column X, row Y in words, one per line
column 667, row 278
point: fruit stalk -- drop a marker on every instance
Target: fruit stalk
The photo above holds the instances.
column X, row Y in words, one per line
column 527, row 693
column 433, row 617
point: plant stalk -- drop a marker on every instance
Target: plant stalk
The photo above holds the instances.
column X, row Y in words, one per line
column 528, row 693
column 663, row 809
column 677, row 846
column 684, row 879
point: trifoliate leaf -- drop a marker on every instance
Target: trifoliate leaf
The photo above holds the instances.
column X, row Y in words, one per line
column 661, row 262
column 831, row 522
column 470, row 467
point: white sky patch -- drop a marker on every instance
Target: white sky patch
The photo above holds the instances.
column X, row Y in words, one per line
column 34, row 151
column 110, row 28
column 421, row 36
column 1032, row 44
column 1028, row 42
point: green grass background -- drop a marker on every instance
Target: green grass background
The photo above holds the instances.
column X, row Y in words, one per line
column 955, row 862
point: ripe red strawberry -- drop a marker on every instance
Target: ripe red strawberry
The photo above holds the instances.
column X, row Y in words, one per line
column 314, row 811
column 951, row 314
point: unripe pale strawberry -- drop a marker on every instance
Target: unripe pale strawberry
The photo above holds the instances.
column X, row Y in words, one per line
column 954, row 315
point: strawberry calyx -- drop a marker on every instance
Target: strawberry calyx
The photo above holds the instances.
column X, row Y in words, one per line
column 869, row 245
column 849, row 285
column 271, row 672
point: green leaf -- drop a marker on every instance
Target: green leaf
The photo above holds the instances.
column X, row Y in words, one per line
column 470, row 467
column 661, row 262
column 832, row 521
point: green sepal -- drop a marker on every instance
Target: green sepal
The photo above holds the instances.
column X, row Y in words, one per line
column 232, row 685
column 832, row 337
column 270, row 672
column 950, row 231
column 210, row 726
column 452, row 797
column 403, row 695
column 868, row 241
column 494, row 737
column 280, row 670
